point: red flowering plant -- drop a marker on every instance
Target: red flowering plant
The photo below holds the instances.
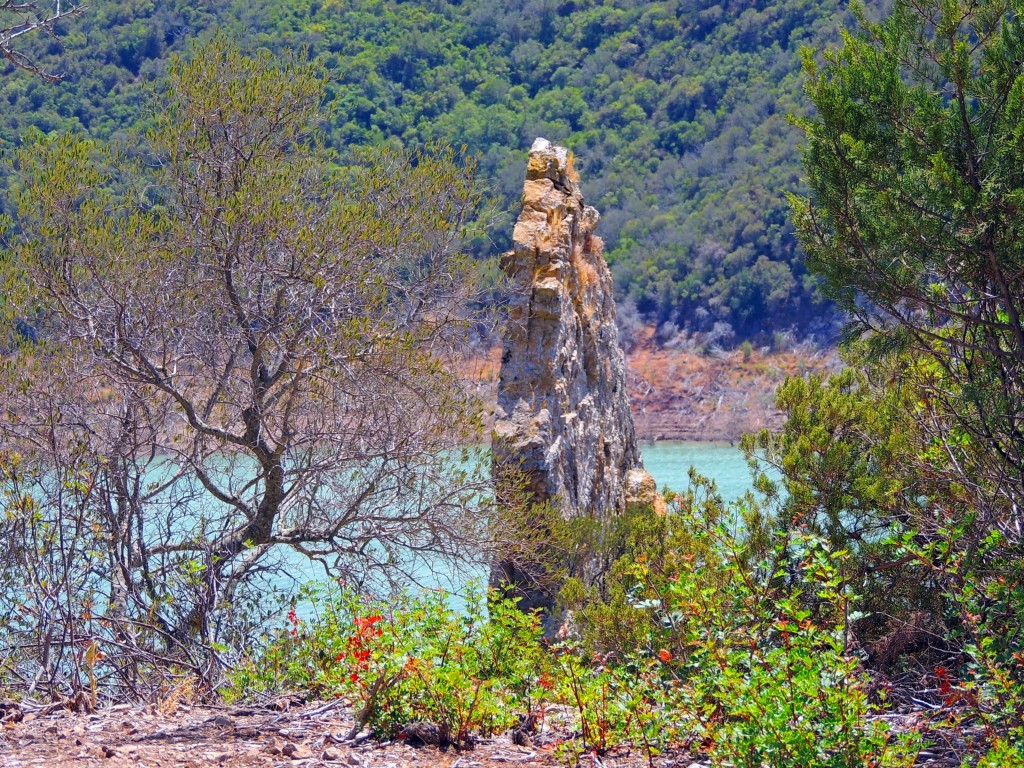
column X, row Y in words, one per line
column 471, row 667
column 366, row 631
column 362, row 638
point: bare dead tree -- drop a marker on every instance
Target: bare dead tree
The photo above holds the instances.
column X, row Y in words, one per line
column 18, row 19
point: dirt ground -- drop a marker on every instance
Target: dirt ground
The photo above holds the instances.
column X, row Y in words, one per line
column 309, row 735
column 312, row 735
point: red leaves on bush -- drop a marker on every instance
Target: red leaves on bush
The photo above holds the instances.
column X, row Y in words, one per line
column 359, row 645
column 367, row 625
column 951, row 694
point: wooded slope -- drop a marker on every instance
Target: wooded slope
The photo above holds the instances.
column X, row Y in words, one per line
column 676, row 111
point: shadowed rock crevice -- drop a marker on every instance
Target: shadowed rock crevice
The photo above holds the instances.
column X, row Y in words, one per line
column 562, row 426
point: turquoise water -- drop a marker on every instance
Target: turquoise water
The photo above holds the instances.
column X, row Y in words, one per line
column 669, row 464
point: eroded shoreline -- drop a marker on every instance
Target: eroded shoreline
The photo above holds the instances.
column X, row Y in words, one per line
column 691, row 397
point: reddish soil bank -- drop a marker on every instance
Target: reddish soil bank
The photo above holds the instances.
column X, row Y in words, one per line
column 687, row 396
column 680, row 395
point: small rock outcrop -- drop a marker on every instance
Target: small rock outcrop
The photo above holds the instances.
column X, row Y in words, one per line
column 562, row 423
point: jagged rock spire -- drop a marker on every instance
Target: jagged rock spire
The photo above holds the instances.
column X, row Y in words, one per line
column 563, row 416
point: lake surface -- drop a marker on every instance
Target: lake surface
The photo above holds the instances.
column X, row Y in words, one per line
column 669, row 464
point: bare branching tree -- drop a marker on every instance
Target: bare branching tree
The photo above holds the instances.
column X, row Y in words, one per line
column 237, row 356
column 18, row 19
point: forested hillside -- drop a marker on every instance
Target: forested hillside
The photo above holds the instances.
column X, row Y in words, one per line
column 676, row 111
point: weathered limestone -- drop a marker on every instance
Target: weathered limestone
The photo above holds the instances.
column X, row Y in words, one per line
column 563, row 415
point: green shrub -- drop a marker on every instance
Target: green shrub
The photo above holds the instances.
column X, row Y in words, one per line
column 985, row 598
column 731, row 640
column 409, row 659
column 740, row 643
column 619, row 615
column 765, row 672
column 615, row 703
column 1002, row 754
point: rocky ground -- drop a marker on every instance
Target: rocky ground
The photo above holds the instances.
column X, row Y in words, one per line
column 308, row 735
column 287, row 734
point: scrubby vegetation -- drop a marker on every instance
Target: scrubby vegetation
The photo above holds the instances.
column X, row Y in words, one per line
column 731, row 645
column 880, row 567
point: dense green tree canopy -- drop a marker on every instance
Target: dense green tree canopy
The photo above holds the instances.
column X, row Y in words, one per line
column 676, row 111
column 914, row 221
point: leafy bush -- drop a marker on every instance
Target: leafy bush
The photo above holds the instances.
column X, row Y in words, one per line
column 617, row 615
column 712, row 630
column 1003, row 754
column 871, row 465
column 763, row 661
column 985, row 610
column 615, row 703
column 466, row 670
column 852, row 469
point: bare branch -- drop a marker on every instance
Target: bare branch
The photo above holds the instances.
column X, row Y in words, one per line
column 22, row 18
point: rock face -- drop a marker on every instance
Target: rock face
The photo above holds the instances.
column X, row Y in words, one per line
column 563, row 418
